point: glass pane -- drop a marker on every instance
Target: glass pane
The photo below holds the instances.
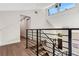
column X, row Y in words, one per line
column 52, row 11
column 65, row 6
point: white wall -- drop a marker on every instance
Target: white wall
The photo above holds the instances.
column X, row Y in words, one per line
column 9, row 27
column 68, row 18
column 10, row 24
column 38, row 20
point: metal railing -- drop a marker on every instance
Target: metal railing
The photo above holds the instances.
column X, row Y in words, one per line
column 40, row 35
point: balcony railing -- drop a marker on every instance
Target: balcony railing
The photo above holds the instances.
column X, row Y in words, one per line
column 45, row 42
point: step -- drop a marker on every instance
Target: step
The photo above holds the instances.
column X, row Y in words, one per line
column 43, row 53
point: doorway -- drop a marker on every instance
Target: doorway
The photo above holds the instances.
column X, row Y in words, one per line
column 24, row 24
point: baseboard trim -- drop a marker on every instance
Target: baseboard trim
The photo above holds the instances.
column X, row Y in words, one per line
column 9, row 43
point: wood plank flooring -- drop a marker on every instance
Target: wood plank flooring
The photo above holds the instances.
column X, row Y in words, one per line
column 17, row 49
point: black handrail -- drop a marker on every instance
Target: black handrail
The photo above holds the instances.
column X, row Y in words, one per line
column 55, row 29
column 47, row 46
column 37, row 42
column 50, row 34
column 26, row 38
column 69, row 42
column 69, row 37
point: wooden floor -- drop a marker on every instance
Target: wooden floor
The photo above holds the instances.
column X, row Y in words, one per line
column 17, row 49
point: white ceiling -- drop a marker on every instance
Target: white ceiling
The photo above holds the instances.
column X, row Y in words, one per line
column 23, row 6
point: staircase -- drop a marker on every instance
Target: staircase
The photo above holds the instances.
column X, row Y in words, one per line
column 41, row 49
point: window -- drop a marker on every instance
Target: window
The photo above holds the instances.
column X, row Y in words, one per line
column 52, row 11
column 60, row 7
column 64, row 6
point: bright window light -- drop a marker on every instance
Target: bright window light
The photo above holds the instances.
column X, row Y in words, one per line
column 65, row 6
column 61, row 7
column 52, row 11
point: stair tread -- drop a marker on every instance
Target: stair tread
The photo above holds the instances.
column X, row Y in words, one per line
column 43, row 52
column 33, row 48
